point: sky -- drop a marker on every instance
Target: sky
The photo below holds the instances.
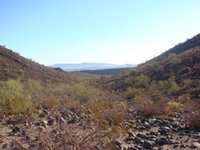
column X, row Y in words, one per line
column 98, row 31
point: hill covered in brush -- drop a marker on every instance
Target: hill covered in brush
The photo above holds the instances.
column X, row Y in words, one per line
column 14, row 66
column 181, row 47
column 174, row 73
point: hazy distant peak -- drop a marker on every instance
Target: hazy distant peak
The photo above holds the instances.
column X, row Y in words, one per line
column 90, row 66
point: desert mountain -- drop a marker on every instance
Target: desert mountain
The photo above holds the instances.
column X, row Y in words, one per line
column 178, row 66
column 14, row 66
column 181, row 47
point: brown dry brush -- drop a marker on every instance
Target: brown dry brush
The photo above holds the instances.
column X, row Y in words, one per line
column 193, row 120
column 66, row 137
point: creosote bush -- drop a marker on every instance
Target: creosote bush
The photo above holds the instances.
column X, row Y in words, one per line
column 83, row 92
column 142, row 81
column 13, row 98
column 133, row 92
column 168, row 86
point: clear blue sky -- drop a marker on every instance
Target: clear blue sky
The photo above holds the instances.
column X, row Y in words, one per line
column 110, row 31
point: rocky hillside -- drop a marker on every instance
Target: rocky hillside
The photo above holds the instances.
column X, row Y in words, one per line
column 14, row 66
column 182, row 47
column 183, row 69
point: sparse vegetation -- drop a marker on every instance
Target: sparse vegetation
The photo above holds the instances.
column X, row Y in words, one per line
column 70, row 137
column 173, row 106
column 133, row 92
column 147, row 107
column 92, row 112
column 83, row 92
column 193, row 120
column 12, row 98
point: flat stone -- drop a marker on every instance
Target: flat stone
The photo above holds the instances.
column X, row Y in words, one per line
column 195, row 145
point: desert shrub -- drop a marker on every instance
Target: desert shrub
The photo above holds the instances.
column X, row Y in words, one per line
column 49, row 101
column 191, row 106
column 66, row 137
column 173, row 106
column 193, row 119
column 147, row 107
column 55, row 89
column 128, row 81
column 142, row 81
column 83, row 92
column 107, row 112
column 110, row 116
column 158, row 67
column 168, row 86
column 184, row 98
column 69, row 104
column 13, row 98
column 173, row 59
column 132, row 92
column 33, row 87
column 174, row 88
column 66, row 96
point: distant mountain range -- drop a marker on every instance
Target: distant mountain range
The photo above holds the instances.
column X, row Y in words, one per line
column 90, row 66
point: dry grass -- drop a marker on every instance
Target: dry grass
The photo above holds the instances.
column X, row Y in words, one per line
column 173, row 106
column 107, row 112
column 65, row 137
column 49, row 101
column 147, row 107
column 193, row 120
column 192, row 111
column 110, row 115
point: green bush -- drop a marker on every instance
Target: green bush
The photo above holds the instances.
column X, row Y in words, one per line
column 13, row 98
column 83, row 92
column 132, row 92
column 173, row 59
column 142, row 81
column 33, row 87
column 128, row 81
column 168, row 86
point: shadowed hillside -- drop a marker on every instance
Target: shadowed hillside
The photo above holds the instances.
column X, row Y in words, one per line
column 181, row 47
column 14, row 66
column 179, row 65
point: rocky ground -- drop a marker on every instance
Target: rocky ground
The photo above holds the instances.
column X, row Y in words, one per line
column 48, row 131
column 154, row 133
